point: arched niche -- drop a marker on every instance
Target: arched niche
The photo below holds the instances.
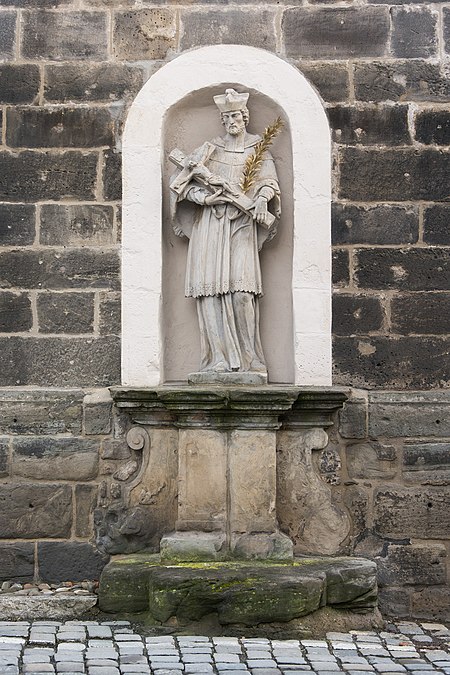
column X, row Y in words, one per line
column 161, row 117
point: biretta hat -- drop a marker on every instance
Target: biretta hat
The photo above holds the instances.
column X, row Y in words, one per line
column 231, row 100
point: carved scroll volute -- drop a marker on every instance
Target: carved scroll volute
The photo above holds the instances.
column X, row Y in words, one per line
column 137, row 438
column 139, row 441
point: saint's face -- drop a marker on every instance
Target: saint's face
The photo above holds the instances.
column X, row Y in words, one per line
column 233, row 122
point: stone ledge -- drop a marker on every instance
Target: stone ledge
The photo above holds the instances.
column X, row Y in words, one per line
column 59, row 608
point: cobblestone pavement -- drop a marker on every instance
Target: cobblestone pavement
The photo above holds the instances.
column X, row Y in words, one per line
column 116, row 648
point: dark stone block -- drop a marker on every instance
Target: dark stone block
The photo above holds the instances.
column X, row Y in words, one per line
column 218, row 26
column 427, row 462
column 7, row 34
column 112, row 175
column 413, row 32
column 446, row 24
column 38, row 457
column 36, row 4
column 110, row 315
column 433, row 126
column 95, row 82
column 65, row 312
column 423, row 313
column 15, row 312
column 409, row 414
column 431, row 603
column 29, row 510
column 341, row 267
column 59, row 561
column 144, row 34
column 418, row 269
column 19, row 83
column 380, row 224
column 74, row 268
column 397, row 363
column 353, row 419
column 52, row 411
column 356, row 314
column 387, row 125
column 76, row 225
column 33, row 176
column 4, row 459
column 395, row 602
column 17, row 226
column 70, row 362
column 85, row 502
column 436, row 224
column 335, row 32
column 97, row 409
column 394, row 175
column 412, row 512
column 64, row 36
column 16, row 562
column 62, row 127
column 330, row 79
column 399, row 81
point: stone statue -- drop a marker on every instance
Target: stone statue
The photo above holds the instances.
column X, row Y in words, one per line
column 226, row 230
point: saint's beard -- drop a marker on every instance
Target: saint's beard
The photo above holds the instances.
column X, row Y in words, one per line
column 235, row 128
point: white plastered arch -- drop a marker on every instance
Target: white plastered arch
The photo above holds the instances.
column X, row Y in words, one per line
column 142, row 199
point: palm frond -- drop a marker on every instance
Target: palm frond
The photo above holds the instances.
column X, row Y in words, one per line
column 254, row 162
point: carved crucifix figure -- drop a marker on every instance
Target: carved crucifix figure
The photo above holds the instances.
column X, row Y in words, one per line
column 225, row 235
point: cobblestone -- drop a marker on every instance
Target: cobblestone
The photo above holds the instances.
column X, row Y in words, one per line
column 118, row 648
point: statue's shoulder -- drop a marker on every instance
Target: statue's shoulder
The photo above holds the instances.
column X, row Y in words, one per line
column 218, row 141
column 251, row 140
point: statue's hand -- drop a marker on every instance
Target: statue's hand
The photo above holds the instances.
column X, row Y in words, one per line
column 216, row 198
column 260, row 213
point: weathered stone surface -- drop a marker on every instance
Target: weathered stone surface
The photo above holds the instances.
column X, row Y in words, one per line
column 77, row 224
column 55, row 270
column 435, row 224
column 17, row 224
column 331, row 79
column 414, row 32
column 29, row 510
column 59, row 561
column 52, row 411
column 144, row 34
column 85, row 501
column 403, row 269
column 112, row 175
column 181, row 547
column 380, row 224
column 97, row 410
column 413, row 565
column 394, row 175
column 95, row 82
column 412, row 512
column 341, row 273
column 426, row 313
column 219, row 26
column 61, row 458
column 7, row 34
column 391, row 363
column 357, row 501
column 371, row 460
column 26, row 608
column 110, row 314
column 65, row 312
column 19, row 83
column 335, row 32
column 351, row 582
column 431, row 603
column 413, row 80
column 395, row 602
column 426, row 462
column 353, row 419
column 356, row 314
column 433, row 127
column 115, row 448
column 64, row 36
column 410, row 414
column 370, row 125
column 15, row 312
column 32, row 176
column 446, row 22
column 52, row 361
column 4, row 457
column 16, row 562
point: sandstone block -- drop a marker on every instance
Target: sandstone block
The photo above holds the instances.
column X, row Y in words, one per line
column 115, row 448
column 341, row 274
column 356, row 314
column 110, row 314
column 426, row 313
column 40, row 412
column 143, row 34
column 414, row 80
column 426, row 462
column 95, row 82
column 19, row 83
column 395, row 602
column 76, row 225
column 431, row 603
column 64, row 36
column 435, row 224
column 370, row 125
column 4, row 457
column 59, row 561
column 17, row 224
column 411, row 512
column 65, row 312
column 97, row 410
column 394, row 174
column 335, row 33
column 17, row 562
column 331, row 79
column 112, row 175
column 416, row 565
column 356, row 500
column 15, row 312
column 446, row 22
column 380, row 224
column 353, row 419
column 433, row 127
column 30, row 510
column 409, row 414
column 231, row 26
column 371, row 460
column 7, row 34
column 85, row 502
column 413, row 32
column 403, row 269
column 33, row 176
column 61, row 458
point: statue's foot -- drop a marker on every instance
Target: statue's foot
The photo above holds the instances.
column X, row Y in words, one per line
column 257, row 367
column 218, row 367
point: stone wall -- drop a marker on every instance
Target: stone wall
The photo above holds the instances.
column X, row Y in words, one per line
column 68, row 73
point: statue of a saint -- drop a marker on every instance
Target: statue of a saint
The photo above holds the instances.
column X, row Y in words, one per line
column 225, row 234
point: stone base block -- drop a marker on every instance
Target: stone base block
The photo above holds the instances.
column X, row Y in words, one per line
column 234, row 596
column 59, row 608
column 211, row 377
column 262, row 546
column 193, row 546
